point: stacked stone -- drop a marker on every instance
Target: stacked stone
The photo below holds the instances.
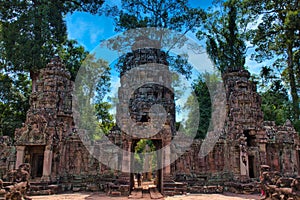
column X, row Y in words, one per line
column 7, row 155
column 244, row 104
column 143, row 56
column 244, row 120
column 50, row 125
column 278, row 187
column 282, row 144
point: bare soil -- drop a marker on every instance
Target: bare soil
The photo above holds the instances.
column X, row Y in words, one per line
column 102, row 196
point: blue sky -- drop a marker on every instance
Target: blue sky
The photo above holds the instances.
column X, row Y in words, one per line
column 89, row 30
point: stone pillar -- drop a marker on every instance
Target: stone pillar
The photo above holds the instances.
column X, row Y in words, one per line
column 47, row 166
column 126, row 158
column 20, row 155
column 263, row 154
column 167, row 160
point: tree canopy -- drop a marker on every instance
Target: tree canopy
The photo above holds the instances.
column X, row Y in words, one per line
column 31, row 33
column 277, row 39
column 225, row 36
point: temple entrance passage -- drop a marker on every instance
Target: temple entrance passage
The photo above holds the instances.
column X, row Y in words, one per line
column 34, row 155
column 146, row 164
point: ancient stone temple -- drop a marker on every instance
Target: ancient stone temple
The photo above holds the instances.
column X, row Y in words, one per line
column 151, row 79
column 49, row 142
column 247, row 142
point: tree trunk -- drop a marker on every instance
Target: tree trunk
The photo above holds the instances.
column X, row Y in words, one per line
column 291, row 74
column 34, row 77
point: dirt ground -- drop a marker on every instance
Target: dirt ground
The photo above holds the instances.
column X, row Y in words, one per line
column 101, row 196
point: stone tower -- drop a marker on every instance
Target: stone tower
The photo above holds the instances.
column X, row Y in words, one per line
column 47, row 141
column 243, row 129
column 251, row 140
column 145, row 91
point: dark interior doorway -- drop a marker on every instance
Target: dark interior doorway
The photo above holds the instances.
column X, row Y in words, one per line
column 251, row 167
column 34, row 155
column 38, row 160
column 153, row 177
column 250, row 138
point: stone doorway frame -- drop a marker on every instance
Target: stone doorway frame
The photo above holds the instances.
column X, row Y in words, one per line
column 159, row 172
column 44, row 150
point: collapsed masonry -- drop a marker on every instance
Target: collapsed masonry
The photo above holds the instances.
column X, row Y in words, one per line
column 48, row 141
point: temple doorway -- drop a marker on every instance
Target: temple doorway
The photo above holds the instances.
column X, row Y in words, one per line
column 251, row 166
column 146, row 164
column 34, row 155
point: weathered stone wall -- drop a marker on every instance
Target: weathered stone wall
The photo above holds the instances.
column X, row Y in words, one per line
column 7, row 155
column 282, row 148
column 247, row 142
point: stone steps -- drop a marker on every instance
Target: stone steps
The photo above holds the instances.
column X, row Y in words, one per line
column 40, row 188
column 2, row 194
column 136, row 194
column 139, row 193
column 155, row 194
column 174, row 188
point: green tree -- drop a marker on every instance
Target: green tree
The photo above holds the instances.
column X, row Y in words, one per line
column 205, row 108
column 140, row 151
column 277, row 38
column 276, row 105
column 72, row 55
column 92, row 83
column 14, row 95
column 175, row 15
column 32, row 31
column 224, row 35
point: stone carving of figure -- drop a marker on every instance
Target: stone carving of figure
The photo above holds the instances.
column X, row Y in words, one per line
column 243, row 149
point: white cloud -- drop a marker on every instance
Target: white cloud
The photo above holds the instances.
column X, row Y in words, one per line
column 95, row 34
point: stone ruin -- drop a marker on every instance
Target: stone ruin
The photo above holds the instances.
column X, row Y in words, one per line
column 59, row 161
column 277, row 187
column 7, row 155
column 18, row 184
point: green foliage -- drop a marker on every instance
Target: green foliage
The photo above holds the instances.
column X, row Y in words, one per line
column 105, row 118
column 173, row 15
column 275, row 104
column 92, row 83
column 143, row 147
column 170, row 14
column 73, row 55
column 31, row 33
column 205, row 108
column 277, row 38
column 14, row 95
column 225, row 41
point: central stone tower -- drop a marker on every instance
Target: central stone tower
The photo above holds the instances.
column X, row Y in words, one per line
column 146, row 108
